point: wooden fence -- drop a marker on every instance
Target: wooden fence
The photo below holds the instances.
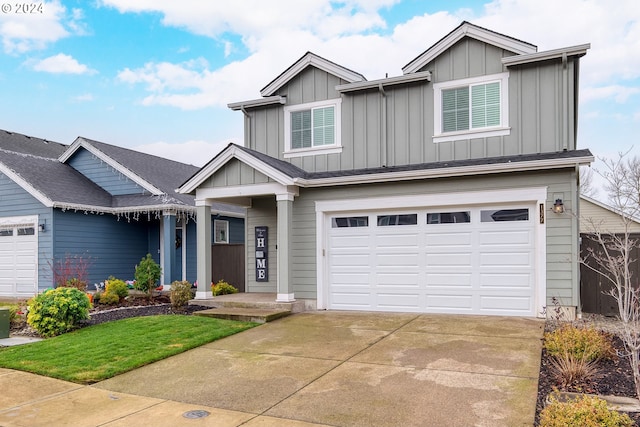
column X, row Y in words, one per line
column 593, row 287
column 227, row 263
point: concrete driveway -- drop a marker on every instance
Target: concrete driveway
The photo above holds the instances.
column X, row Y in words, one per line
column 326, row 368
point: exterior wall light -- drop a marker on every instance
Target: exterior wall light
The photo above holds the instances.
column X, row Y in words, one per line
column 558, row 206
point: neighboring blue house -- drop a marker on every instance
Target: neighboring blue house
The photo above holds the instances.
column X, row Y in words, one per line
column 107, row 204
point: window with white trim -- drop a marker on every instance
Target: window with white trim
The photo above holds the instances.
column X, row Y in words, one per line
column 312, row 128
column 220, row 231
column 471, row 108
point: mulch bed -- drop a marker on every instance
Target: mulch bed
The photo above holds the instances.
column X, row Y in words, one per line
column 614, row 377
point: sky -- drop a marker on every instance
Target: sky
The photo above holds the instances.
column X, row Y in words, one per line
column 157, row 75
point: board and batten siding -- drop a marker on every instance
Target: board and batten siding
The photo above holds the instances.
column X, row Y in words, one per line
column 235, row 172
column 396, row 128
column 102, row 174
column 16, row 201
column 562, row 240
column 113, row 247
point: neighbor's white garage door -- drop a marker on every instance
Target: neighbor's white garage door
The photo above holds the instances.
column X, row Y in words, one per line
column 18, row 257
column 478, row 260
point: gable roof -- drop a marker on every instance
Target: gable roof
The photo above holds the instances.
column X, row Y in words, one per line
column 311, row 59
column 41, row 170
column 290, row 175
column 467, row 29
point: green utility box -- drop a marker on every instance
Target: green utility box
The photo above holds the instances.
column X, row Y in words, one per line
column 5, row 322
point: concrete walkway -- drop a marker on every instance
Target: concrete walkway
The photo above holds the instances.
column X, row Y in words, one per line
column 311, row 369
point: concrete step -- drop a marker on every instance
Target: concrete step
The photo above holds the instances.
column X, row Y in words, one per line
column 258, row 315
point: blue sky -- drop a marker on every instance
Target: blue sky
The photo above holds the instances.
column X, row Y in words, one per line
column 156, row 75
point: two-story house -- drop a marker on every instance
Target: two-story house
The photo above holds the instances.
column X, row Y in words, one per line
column 449, row 189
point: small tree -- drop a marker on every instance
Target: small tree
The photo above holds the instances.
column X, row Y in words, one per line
column 71, row 271
column 613, row 258
column 147, row 275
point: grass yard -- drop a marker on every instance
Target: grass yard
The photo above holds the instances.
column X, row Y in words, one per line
column 95, row 353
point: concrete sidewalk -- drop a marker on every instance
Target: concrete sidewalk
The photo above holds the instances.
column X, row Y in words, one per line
column 313, row 368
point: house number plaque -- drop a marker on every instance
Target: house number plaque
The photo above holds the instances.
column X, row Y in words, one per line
column 262, row 265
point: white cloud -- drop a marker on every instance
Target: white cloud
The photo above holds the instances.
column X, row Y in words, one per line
column 62, row 64
column 196, row 153
column 23, row 32
column 85, row 97
column 620, row 94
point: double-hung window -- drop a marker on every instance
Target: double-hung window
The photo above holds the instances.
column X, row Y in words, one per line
column 312, row 128
column 471, row 108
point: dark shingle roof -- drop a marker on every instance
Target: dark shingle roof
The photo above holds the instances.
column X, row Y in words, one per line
column 36, row 162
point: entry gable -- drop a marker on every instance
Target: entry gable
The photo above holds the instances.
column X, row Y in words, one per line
column 235, row 160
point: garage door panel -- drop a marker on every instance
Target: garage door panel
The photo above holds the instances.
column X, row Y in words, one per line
column 350, row 278
column 452, row 258
column 505, row 281
column 449, row 302
column 397, row 240
column 397, row 259
column 351, row 260
column 505, row 237
column 507, row 304
column 448, row 239
column 396, row 279
column 397, row 301
column 456, row 280
column 506, row 259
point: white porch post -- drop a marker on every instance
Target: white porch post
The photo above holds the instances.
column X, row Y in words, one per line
column 203, row 230
column 284, row 283
column 168, row 258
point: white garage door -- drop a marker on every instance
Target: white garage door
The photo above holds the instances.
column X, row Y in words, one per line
column 18, row 257
column 478, row 260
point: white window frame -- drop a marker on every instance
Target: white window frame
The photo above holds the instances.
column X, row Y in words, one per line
column 500, row 130
column 336, row 147
column 215, row 231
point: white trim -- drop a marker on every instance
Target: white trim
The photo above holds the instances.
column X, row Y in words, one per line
column 316, row 61
column 222, row 159
column 215, row 232
column 243, row 191
column 390, row 81
column 81, row 142
column 336, row 147
column 531, row 195
column 4, row 169
column 285, row 298
column 579, row 50
column 501, row 130
column 469, row 30
column 261, row 102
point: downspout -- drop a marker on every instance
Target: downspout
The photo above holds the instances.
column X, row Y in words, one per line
column 383, row 126
column 579, row 242
column 565, row 103
column 247, row 127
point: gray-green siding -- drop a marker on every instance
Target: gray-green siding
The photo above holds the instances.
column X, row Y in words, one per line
column 562, row 270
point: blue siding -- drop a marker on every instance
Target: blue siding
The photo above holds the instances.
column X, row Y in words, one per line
column 114, row 247
column 236, row 228
column 102, row 174
column 15, row 201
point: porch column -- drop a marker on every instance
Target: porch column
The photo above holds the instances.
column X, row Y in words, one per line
column 285, row 212
column 168, row 256
column 203, row 230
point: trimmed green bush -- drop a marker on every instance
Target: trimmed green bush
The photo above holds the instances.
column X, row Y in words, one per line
column 585, row 411
column 57, row 311
column 579, row 343
column 147, row 274
column 109, row 298
column 181, row 293
column 117, row 287
column 223, row 288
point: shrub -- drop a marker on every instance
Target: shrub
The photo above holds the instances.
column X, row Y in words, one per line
column 580, row 343
column 117, row 287
column 109, row 298
column 569, row 369
column 57, row 311
column 146, row 275
column 71, row 271
column 223, row 288
column 180, row 293
column 584, row 411
column 74, row 282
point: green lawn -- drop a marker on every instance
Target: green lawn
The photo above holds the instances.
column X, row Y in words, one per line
column 99, row 352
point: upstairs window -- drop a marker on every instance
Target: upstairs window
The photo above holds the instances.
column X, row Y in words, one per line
column 471, row 108
column 312, row 128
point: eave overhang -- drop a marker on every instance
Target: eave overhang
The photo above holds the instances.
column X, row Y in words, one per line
column 579, row 50
column 382, row 83
column 261, row 102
